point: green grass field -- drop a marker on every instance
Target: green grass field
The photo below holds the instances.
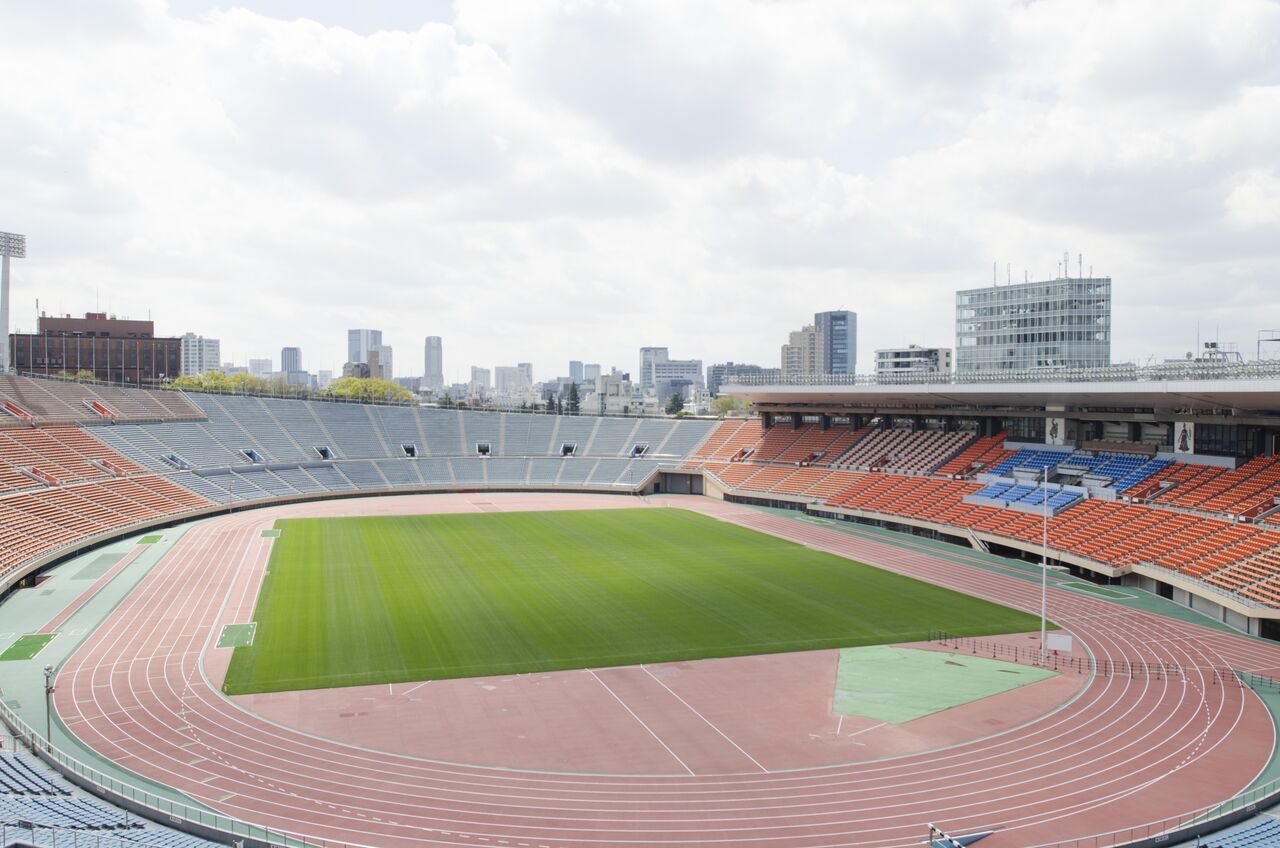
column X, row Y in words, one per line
column 350, row 601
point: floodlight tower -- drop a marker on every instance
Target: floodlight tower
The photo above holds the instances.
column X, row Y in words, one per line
column 15, row 246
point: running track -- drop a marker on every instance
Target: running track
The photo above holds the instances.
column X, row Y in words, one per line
column 1122, row 753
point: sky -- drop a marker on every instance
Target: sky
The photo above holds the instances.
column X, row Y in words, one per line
column 544, row 181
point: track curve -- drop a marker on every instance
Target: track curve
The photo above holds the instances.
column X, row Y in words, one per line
column 1123, row 752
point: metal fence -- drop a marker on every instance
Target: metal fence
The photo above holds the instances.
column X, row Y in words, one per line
column 1173, row 371
column 1103, row 667
column 195, row 820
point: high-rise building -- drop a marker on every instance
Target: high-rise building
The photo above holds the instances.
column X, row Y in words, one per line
column 433, row 365
column 649, row 356
column 507, row 379
column 200, row 355
column 1062, row 323
column 323, row 379
column 526, row 368
column 290, row 359
column 384, row 359
column 912, row 360
column 479, row 385
column 360, row 342
column 260, row 367
column 802, row 355
column 839, row 331
column 575, row 370
column 590, row 371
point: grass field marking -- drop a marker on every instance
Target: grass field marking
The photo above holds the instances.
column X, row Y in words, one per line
column 26, row 647
column 237, row 635
column 642, row 724
column 704, row 718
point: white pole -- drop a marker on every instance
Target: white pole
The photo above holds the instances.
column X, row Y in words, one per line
column 4, row 316
column 1044, row 572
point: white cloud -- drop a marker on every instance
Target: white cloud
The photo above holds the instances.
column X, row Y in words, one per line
column 553, row 180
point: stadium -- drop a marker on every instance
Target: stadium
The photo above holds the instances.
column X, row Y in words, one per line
column 1035, row 612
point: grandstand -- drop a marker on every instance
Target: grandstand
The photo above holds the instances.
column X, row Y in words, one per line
column 82, row 463
column 79, row 463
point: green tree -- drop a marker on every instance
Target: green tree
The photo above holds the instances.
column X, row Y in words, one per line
column 572, row 403
column 559, row 407
column 367, row 389
column 675, row 404
column 726, row 404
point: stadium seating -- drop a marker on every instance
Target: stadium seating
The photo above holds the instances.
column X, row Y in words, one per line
column 903, row 450
column 978, row 456
column 1259, row 833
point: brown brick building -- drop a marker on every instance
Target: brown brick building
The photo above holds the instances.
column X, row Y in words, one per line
column 115, row 350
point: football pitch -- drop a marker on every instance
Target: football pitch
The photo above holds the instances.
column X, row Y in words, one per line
column 351, row 601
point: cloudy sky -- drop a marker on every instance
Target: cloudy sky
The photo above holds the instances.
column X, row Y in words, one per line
column 562, row 180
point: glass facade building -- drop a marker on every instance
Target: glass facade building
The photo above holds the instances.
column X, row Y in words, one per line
column 1063, row 323
column 839, row 341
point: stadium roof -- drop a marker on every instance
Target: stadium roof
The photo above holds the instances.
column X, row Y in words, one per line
column 1254, row 389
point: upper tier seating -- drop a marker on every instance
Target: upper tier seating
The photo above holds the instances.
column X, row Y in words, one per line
column 978, row 456
column 54, row 401
column 903, row 450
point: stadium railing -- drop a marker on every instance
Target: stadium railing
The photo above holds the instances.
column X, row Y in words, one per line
column 1111, row 374
column 197, row 821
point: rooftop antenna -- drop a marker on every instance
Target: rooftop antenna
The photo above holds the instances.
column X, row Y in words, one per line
column 994, row 281
column 1008, row 273
column 1080, row 259
column 1066, row 265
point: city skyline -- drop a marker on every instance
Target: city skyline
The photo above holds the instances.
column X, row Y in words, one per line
column 590, row 161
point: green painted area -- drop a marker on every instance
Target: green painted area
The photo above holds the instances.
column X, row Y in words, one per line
column 351, row 601
column 898, row 685
column 271, row 534
column 26, row 647
column 236, row 635
column 97, row 566
column 150, row 540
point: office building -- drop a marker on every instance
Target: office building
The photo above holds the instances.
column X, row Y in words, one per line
column 912, row 360
column 479, row 385
column 323, row 379
column 729, row 372
column 260, row 368
column 290, row 359
column 199, row 355
column 384, row 359
column 802, row 355
column 839, row 332
column 1052, row 324
column 433, row 365
column 526, row 368
column 575, row 371
column 113, row 350
column 657, row 368
column 590, row 371
column 508, row 379
column 360, row 342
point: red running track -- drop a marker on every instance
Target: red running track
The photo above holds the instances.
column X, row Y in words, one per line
column 1124, row 752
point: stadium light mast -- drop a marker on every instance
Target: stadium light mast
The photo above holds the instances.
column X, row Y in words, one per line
column 13, row 246
column 1044, row 570
column 48, row 707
